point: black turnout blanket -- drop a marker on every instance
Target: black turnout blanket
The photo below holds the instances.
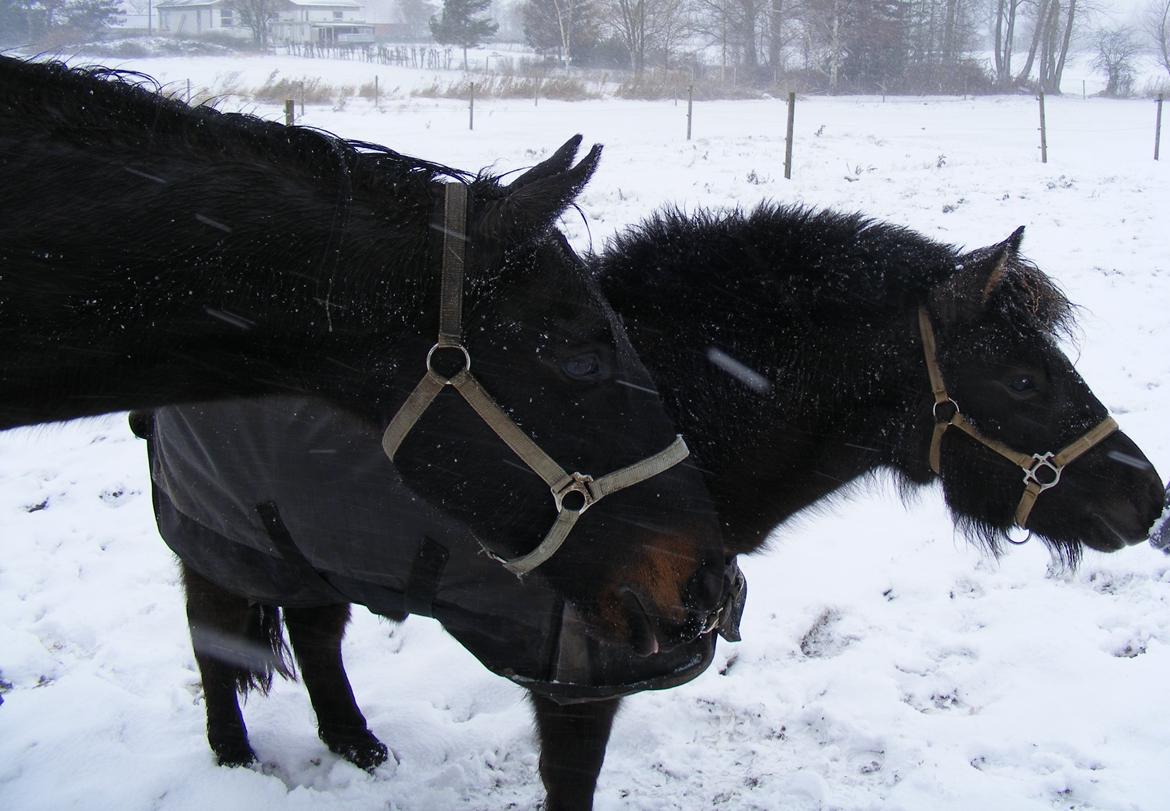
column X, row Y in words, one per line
column 349, row 530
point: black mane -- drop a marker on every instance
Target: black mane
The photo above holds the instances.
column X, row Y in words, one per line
column 826, row 263
column 131, row 109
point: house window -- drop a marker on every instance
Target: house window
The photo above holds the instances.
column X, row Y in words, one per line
column 226, row 19
column 337, row 15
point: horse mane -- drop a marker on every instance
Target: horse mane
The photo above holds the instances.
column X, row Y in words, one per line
column 100, row 106
column 825, row 261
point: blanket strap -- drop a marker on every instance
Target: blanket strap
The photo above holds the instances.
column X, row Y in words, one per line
column 283, row 541
column 426, row 570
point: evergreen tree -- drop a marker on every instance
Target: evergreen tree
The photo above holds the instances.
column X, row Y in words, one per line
column 460, row 23
column 33, row 20
column 91, row 16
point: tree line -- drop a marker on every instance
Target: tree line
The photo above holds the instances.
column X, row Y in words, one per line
column 836, row 46
column 842, row 46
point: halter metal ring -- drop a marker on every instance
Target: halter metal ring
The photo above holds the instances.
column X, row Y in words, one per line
column 577, row 483
column 1042, row 461
column 947, row 402
column 460, row 347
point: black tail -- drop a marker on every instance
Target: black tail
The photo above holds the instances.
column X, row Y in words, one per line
column 244, row 638
column 268, row 651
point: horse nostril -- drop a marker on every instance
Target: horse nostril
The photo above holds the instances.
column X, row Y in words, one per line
column 643, row 630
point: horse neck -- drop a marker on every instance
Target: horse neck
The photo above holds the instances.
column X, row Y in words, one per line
column 837, row 406
column 828, row 419
column 190, row 281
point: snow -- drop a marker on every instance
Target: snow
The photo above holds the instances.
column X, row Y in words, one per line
column 884, row 664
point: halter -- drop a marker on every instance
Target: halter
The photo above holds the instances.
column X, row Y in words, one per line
column 1041, row 470
column 562, row 484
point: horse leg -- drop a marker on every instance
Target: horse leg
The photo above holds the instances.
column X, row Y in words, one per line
column 572, row 748
column 219, row 623
column 316, row 635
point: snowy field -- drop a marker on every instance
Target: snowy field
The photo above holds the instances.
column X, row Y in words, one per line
column 884, row 665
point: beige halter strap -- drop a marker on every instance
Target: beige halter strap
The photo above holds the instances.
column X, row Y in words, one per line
column 561, row 484
column 1041, row 470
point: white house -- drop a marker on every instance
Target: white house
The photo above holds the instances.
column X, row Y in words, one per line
column 323, row 22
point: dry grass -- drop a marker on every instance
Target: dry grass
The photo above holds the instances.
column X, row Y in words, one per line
column 508, row 86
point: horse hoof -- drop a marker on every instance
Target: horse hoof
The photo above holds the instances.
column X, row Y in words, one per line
column 234, row 754
column 365, row 752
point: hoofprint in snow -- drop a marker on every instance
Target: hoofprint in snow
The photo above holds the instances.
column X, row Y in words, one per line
column 884, row 665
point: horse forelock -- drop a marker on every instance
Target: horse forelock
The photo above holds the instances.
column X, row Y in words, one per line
column 1028, row 297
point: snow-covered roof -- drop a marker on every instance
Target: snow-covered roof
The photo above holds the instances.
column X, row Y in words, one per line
column 325, row 3
column 187, row 3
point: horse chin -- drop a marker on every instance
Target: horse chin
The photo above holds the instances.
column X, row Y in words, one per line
column 1100, row 534
column 1109, row 538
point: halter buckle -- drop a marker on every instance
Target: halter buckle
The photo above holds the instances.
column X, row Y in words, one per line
column 576, row 483
column 1042, row 461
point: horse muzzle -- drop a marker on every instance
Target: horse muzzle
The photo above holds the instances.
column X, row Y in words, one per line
column 1160, row 532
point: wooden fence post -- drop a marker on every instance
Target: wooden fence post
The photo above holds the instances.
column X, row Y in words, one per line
column 690, row 108
column 471, row 109
column 290, row 109
column 788, row 137
column 1158, row 128
column 1043, row 132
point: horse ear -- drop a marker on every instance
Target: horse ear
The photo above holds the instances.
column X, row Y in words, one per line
column 977, row 276
column 529, row 209
column 558, row 162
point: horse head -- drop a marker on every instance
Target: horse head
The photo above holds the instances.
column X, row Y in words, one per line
column 1036, row 448
column 645, row 563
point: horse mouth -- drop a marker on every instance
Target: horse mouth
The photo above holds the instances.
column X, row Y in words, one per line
column 1111, row 539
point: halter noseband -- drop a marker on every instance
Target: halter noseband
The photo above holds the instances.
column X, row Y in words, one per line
column 1041, row 470
column 589, row 489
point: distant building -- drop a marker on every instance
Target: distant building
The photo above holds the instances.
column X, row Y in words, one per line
column 322, row 22
column 388, row 19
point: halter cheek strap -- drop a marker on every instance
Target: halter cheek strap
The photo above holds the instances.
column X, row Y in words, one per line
column 1041, row 470
column 589, row 489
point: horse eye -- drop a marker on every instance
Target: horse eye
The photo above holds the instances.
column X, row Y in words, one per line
column 583, row 367
column 1022, row 383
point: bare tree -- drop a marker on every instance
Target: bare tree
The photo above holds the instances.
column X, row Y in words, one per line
column 1158, row 27
column 736, row 26
column 1006, row 15
column 644, row 25
column 1116, row 48
column 560, row 25
column 1054, row 22
column 257, row 15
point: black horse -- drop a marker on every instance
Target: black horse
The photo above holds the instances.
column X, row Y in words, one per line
column 152, row 254
column 796, row 348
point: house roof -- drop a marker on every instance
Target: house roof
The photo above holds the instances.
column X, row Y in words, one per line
column 187, row 3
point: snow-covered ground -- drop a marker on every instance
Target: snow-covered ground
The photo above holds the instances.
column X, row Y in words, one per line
column 884, row 664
